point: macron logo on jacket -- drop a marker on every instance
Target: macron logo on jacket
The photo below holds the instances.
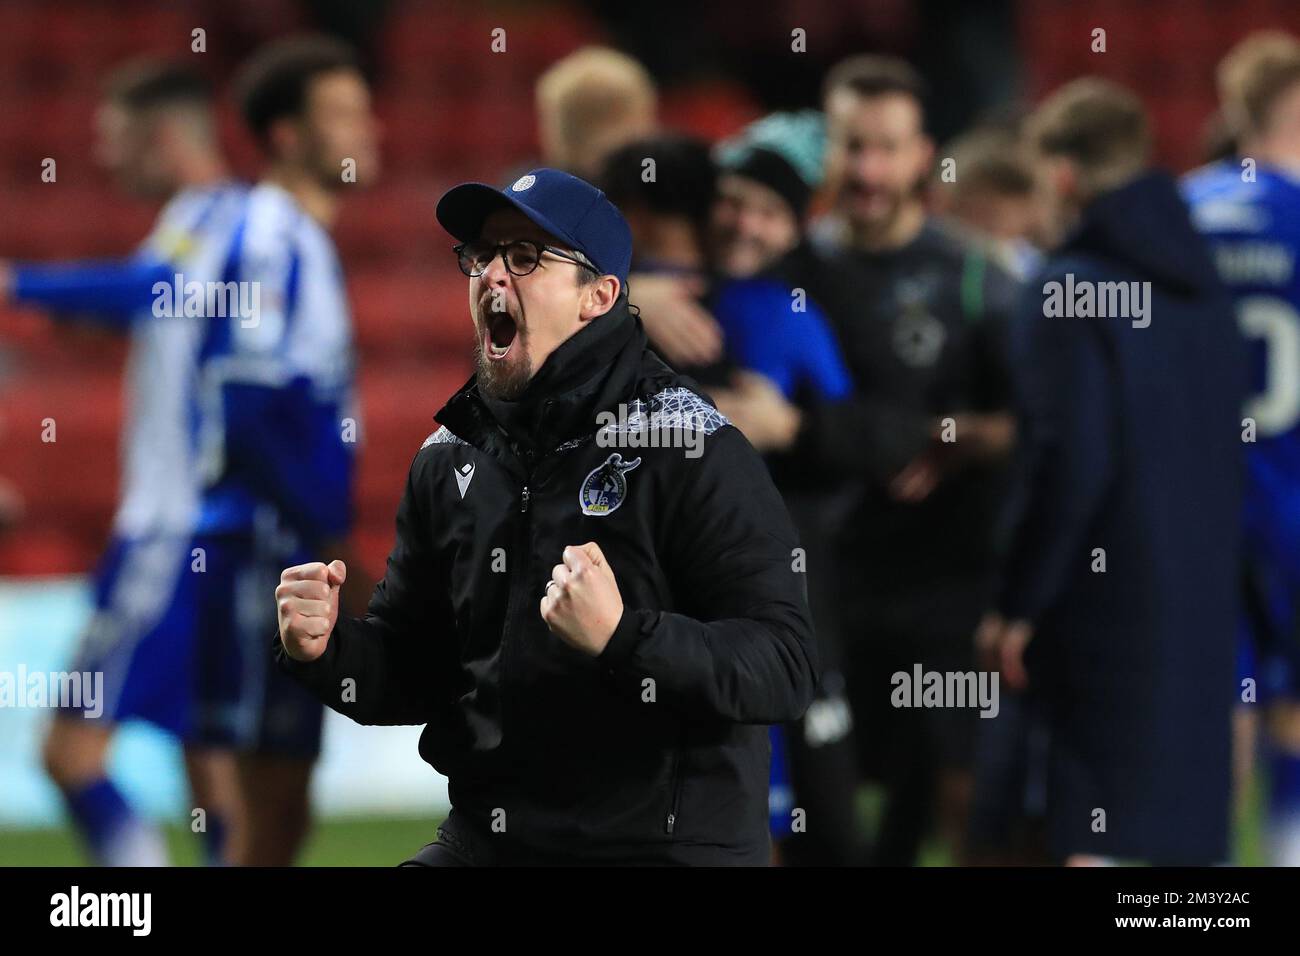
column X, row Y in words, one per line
column 464, row 475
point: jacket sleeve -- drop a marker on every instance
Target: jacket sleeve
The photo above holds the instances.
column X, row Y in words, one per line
column 823, row 367
column 400, row 660
column 742, row 649
column 115, row 291
column 1067, row 419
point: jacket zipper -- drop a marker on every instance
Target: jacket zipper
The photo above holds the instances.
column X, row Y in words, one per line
column 517, row 585
column 671, row 822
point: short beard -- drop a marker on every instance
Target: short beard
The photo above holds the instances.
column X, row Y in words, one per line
column 881, row 223
column 499, row 380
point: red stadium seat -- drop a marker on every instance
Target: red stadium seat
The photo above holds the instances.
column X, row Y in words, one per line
column 414, row 314
column 36, row 550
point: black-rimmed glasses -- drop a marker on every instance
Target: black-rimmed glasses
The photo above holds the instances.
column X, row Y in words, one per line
column 521, row 256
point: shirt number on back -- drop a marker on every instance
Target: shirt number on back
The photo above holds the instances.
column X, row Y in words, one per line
column 1275, row 409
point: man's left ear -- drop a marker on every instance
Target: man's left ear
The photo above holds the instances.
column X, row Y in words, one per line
column 598, row 297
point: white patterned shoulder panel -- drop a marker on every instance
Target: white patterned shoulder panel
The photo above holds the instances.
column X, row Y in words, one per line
column 443, row 436
column 675, row 407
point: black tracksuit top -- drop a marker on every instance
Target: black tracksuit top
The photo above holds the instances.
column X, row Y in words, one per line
column 657, row 750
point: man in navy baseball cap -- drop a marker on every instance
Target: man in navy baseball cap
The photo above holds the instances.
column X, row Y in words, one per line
column 546, row 255
column 649, row 543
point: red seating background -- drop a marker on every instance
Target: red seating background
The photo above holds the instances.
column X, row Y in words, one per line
column 450, row 113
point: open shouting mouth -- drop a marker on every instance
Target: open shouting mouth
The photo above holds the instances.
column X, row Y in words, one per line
column 499, row 334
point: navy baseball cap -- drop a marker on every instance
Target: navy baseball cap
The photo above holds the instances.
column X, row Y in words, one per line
column 567, row 207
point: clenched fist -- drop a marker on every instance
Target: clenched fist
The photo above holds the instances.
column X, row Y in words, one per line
column 582, row 604
column 308, row 603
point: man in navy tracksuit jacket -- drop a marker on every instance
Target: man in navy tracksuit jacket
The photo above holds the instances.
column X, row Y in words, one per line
column 1119, row 590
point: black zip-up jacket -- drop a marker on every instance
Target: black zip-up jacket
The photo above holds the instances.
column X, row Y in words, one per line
column 657, row 749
